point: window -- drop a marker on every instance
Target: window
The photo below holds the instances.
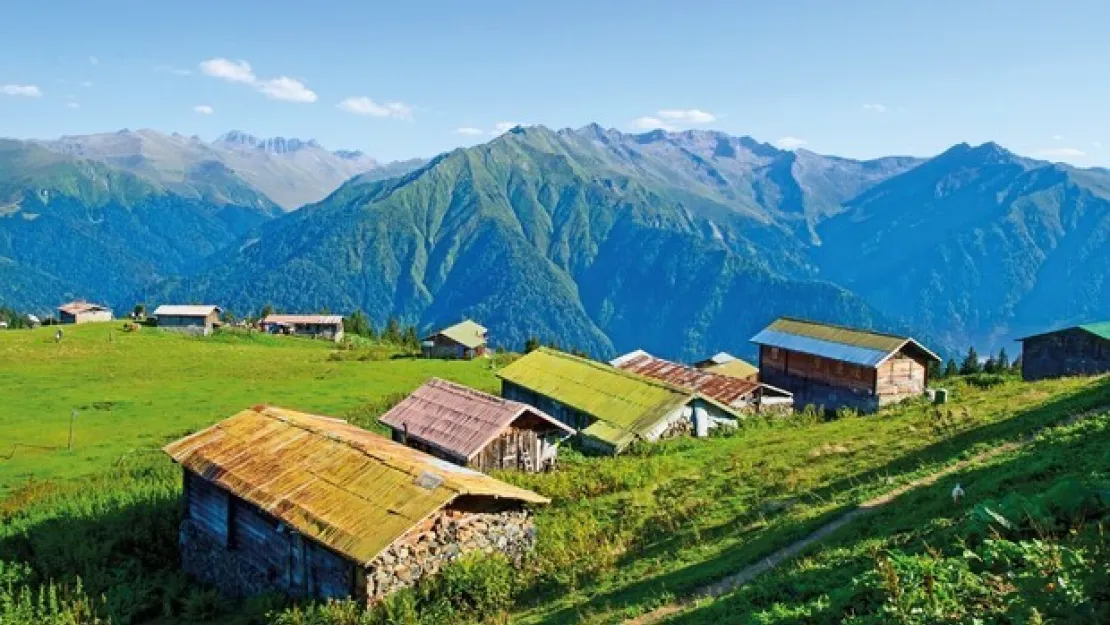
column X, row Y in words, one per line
column 774, row 353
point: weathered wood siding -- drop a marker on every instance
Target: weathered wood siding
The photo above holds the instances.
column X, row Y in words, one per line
column 207, row 506
column 562, row 413
column 1064, row 353
column 900, row 378
column 198, row 324
column 443, row 347
column 526, row 445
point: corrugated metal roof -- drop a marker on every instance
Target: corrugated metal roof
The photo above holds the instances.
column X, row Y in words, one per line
column 351, row 490
column 174, row 310
column 1100, row 329
column 468, row 334
column 628, row 404
column 725, row 389
column 304, row 319
column 78, row 307
column 862, row 347
column 735, row 368
column 457, row 419
column 720, row 358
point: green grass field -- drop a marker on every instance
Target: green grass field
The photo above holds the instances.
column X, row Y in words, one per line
column 135, row 392
column 623, row 535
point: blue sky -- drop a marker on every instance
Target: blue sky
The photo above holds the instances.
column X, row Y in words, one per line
column 397, row 80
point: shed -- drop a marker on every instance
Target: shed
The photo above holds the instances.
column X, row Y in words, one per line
column 610, row 408
column 80, row 311
column 725, row 363
column 836, row 366
column 282, row 501
column 1078, row 350
column 198, row 319
column 329, row 327
column 739, row 393
column 476, row 429
column 464, row 340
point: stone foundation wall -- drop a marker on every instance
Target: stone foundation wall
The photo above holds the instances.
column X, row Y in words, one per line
column 205, row 558
column 444, row 538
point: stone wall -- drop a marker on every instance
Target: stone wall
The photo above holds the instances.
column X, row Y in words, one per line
column 443, row 538
column 204, row 557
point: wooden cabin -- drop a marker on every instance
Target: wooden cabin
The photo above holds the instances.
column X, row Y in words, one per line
column 1079, row 350
column 832, row 366
column 476, row 429
column 80, row 311
column 742, row 394
column 310, row 506
column 462, row 341
column 198, row 319
column 724, row 363
column 610, row 408
column 327, row 327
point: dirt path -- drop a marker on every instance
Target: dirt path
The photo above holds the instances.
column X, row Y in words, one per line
column 752, row 571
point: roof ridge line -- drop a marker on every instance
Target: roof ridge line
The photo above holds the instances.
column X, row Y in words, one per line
column 838, row 326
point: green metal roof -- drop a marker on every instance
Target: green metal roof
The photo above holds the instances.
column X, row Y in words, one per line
column 625, row 405
column 839, row 334
column 1098, row 329
column 468, row 334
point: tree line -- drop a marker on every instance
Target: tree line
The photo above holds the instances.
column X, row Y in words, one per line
column 972, row 364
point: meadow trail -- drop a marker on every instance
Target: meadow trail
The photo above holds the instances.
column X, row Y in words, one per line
column 747, row 574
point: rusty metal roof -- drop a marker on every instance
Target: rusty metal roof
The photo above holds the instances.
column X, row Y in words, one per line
column 351, row 490
column 188, row 310
column 728, row 390
column 324, row 320
column 459, row 420
column 79, row 306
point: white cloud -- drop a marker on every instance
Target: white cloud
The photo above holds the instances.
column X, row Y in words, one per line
column 363, row 105
column 1061, row 153
column 789, row 143
column 280, row 88
column 469, row 130
column 72, row 105
column 94, row 61
column 85, row 83
column 875, row 108
column 203, row 109
column 288, row 89
column 170, row 69
column 687, row 116
column 1057, row 138
column 650, row 123
column 27, row 91
column 501, row 128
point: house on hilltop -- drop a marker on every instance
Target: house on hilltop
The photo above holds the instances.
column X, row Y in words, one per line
column 725, row 363
column 310, row 506
column 80, row 311
column 329, row 327
column 740, row 394
column 198, row 319
column 610, row 408
column 464, row 340
column 476, row 429
column 1078, row 350
column 835, row 366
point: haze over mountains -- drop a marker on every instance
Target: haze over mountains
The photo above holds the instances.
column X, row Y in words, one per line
column 678, row 242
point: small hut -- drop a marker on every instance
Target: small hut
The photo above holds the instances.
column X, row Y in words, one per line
column 195, row 319
column 1078, row 350
column 327, row 327
column 80, row 311
column 464, row 341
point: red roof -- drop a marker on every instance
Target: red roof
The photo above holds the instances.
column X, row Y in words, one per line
column 725, row 389
column 457, row 419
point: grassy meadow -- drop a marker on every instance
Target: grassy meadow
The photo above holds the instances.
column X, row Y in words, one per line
column 623, row 535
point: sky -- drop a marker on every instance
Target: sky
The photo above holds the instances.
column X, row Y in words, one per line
column 411, row 79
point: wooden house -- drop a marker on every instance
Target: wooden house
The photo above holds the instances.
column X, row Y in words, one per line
column 80, row 311
column 610, row 408
column 832, row 366
column 1079, row 350
column 724, row 363
column 464, row 340
column 328, row 327
column 198, row 319
column 742, row 394
column 476, row 429
column 281, row 501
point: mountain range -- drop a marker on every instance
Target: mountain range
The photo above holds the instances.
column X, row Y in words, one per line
column 681, row 243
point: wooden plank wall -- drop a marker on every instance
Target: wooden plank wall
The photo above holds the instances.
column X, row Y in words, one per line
column 822, row 370
column 207, row 506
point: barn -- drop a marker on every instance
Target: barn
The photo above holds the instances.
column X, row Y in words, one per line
column 196, row 319
column 1078, row 350
column 327, row 327
column 464, row 341
column 476, row 429
column 80, row 311
column 742, row 394
column 610, row 408
column 835, row 367
column 310, row 506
